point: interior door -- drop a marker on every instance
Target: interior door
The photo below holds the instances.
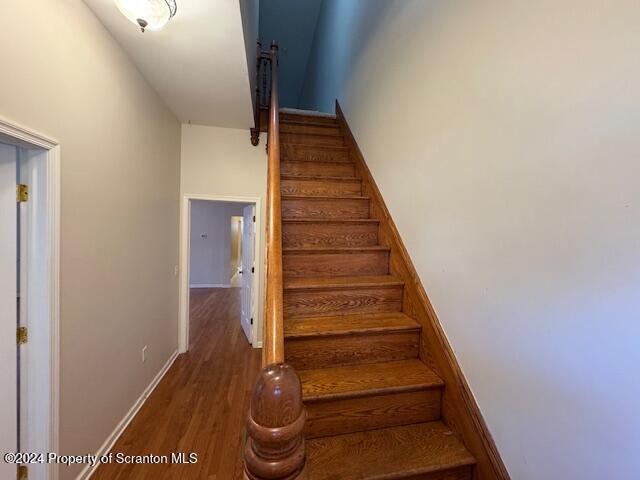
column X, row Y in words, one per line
column 8, row 308
column 247, row 270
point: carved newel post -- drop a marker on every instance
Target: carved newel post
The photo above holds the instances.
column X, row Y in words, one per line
column 275, row 445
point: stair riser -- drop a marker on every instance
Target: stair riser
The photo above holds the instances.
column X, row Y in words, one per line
column 335, row 417
column 292, row 117
column 310, row 129
column 321, row 187
column 336, row 264
column 342, row 301
column 306, row 153
column 329, row 235
column 311, row 139
column 329, row 169
column 325, row 208
column 331, row 351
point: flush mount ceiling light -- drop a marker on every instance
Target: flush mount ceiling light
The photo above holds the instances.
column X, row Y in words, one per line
column 151, row 14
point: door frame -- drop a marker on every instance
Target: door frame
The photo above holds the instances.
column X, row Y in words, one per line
column 51, row 149
column 185, row 260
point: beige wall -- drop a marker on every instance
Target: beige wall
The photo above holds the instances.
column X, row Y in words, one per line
column 222, row 162
column 64, row 76
column 250, row 13
column 505, row 139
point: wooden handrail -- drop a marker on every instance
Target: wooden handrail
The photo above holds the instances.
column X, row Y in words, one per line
column 273, row 342
column 275, row 447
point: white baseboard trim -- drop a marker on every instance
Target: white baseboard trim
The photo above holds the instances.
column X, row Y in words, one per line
column 111, row 439
column 209, row 285
column 257, row 344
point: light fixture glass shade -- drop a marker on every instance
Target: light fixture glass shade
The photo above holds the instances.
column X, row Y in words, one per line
column 151, row 14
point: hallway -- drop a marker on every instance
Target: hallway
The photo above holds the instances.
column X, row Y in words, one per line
column 199, row 407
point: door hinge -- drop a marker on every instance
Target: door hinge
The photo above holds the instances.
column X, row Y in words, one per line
column 253, row 269
column 22, row 193
column 251, row 321
column 254, row 219
column 23, row 472
column 22, row 335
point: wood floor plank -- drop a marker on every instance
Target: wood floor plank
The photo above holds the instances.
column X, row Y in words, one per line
column 199, row 406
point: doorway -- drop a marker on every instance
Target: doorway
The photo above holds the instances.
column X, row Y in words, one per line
column 219, row 264
column 29, row 243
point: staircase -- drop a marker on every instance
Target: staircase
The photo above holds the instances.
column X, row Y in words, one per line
column 373, row 407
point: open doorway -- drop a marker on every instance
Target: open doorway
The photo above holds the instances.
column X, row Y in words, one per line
column 220, row 268
column 29, row 183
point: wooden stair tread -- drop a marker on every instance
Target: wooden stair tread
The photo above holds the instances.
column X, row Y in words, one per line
column 320, row 170
column 348, row 324
column 323, row 197
column 313, row 123
column 305, row 283
column 337, row 148
column 327, row 126
column 320, row 162
column 312, row 114
column 323, row 178
column 330, row 220
column 328, row 250
column 314, row 134
column 367, row 379
column 389, row 453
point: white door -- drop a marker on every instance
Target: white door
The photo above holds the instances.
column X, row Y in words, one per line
column 8, row 308
column 247, row 270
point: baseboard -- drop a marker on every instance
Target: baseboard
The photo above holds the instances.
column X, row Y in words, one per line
column 210, row 285
column 111, row 439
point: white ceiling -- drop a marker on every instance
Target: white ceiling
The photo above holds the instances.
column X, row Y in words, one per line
column 197, row 63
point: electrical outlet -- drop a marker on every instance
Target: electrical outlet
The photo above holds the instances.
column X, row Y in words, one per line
column 144, row 354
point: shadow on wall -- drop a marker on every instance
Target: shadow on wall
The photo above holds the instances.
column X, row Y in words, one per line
column 342, row 33
column 291, row 23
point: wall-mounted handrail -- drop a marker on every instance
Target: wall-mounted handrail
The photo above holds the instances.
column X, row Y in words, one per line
column 275, row 447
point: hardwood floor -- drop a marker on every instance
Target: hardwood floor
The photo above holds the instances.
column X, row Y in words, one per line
column 201, row 403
